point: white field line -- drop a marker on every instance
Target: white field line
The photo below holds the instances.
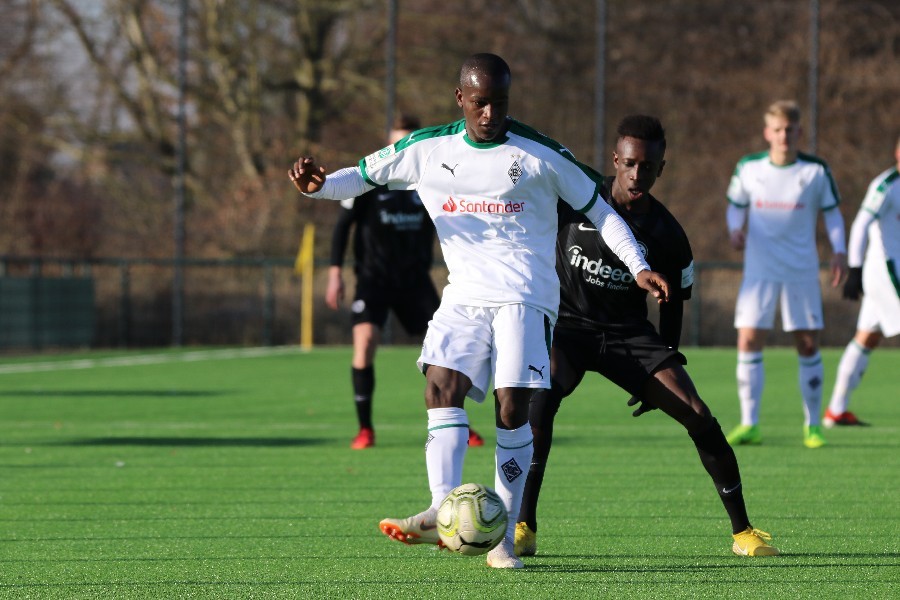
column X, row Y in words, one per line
column 149, row 359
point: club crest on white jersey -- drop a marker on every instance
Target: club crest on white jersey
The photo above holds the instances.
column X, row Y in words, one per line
column 381, row 157
column 515, row 172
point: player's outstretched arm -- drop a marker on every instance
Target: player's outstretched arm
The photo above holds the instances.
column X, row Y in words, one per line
column 307, row 176
column 655, row 284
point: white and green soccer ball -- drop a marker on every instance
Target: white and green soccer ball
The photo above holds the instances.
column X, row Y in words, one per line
column 472, row 519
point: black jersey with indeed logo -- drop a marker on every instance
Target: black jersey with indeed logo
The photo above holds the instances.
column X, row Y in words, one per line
column 596, row 289
column 394, row 238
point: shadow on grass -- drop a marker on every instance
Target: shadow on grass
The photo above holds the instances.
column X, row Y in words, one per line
column 193, row 442
column 113, row 393
column 822, row 560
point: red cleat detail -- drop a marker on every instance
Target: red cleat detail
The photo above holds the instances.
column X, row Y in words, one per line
column 364, row 439
column 845, row 418
column 474, row 438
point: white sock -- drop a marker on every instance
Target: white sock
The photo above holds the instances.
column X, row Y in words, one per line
column 445, row 450
column 811, row 377
column 750, row 378
column 515, row 448
column 849, row 373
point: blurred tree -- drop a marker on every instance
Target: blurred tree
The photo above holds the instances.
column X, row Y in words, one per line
column 88, row 98
column 32, row 209
column 88, row 105
column 264, row 77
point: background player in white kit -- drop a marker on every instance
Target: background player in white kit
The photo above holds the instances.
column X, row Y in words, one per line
column 490, row 184
column 875, row 235
column 774, row 201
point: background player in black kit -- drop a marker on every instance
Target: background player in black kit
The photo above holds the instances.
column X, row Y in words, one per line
column 393, row 244
column 603, row 327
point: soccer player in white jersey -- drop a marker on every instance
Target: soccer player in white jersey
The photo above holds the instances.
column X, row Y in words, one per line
column 490, row 184
column 392, row 246
column 774, row 201
column 875, row 235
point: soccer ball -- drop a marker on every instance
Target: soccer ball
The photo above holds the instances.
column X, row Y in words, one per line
column 472, row 519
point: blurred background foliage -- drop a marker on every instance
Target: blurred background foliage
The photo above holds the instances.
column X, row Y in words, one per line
column 89, row 95
column 88, row 103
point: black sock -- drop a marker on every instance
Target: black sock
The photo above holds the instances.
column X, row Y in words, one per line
column 528, row 512
column 720, row 462
column 541, row 413
column 363, row 386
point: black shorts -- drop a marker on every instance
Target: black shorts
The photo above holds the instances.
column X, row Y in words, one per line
column 413, row 304
column 627, row 359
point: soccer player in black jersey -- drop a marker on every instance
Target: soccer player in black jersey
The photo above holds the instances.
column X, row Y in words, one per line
column 603, row 327
column 392, row 245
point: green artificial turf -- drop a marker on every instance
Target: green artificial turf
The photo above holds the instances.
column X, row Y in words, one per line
column 227, row 474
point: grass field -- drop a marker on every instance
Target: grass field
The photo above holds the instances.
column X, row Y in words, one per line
column 227, row 474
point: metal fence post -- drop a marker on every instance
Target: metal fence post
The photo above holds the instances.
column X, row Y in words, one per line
column 124, row 303
column 696, row 302
column 813, row 74
column 268, row 304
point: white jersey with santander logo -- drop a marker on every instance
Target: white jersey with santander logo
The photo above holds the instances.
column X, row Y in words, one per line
column 783, row 205
column 494, row 209
column 882, row 201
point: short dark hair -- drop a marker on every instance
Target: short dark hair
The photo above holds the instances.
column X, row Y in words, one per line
column 486, row 63
column 407, row 122
column 642, row 127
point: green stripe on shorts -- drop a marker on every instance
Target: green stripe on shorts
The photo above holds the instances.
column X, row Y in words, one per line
column 892, row 272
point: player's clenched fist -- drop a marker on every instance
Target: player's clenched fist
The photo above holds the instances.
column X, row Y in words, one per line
column 306, row 175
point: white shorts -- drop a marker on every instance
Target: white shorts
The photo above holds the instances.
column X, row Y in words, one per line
column 801, row 305
column 880, row 309
column 510, row 342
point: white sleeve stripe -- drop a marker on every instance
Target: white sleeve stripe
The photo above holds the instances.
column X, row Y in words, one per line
column 343, row 184
column 735, row 216
column 617, row 236
column 834, row 225
column 687, row 276
column 859, row 238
